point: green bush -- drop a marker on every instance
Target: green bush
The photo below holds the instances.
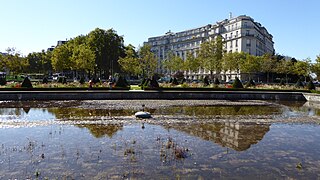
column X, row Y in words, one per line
column 3, row 81
column 146, row 83
column 95, row 80
column 45, row 80
column 142, row 82
column 62, row 80
column 216, row 81
column 82, row 81
column 183, row 80
column 121, row 82
column 299, row 84
column 175, row 81
column 311, row 86
column 154, row 83
column 237, row 83
column 185, row 85
column 206, row 81
column 250, row 83
column 282, row 82
column 26, row 83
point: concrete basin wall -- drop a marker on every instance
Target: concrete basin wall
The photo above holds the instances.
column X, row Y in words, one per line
column 128, row 95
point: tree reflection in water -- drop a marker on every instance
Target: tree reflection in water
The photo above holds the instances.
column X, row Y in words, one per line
column 235, row 135
column 100, row 130
column 220, row 110
column 62, row 113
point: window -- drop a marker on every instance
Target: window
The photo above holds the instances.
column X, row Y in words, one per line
column 230, row 35
column 237, row 43
column 231, row 44
column 236, row 34
column 248, row 42
column 247, row 32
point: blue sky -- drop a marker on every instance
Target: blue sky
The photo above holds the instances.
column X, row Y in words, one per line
column 33, row 25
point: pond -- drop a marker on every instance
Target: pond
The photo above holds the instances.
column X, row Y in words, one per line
column 183, row 139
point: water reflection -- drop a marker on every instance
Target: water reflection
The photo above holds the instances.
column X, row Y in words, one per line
column 62, row 113
column 26, row 114
column 220, row 110
column 235, row 135
column 96, row 148
column 100, row 130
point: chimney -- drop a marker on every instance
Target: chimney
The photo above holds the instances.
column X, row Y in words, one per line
column 230, row 15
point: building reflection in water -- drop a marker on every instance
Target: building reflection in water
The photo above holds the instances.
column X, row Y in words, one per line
column 235, row 135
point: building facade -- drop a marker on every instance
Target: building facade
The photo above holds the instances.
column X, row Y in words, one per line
column 59, row 43
column 240, row 34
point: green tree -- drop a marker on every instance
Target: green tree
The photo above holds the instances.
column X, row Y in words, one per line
column 284, row 66
column 210, row 55
column 108, row 47
column 233, row 61
column 268, row 65
column 147, row 61
column 61, row 58
column 192, row 64
column 84, row 58
column 174, row 63
column 130, row 63
column 39, row 62
column 2, row 63
column 316, row 67
column 252, row 64
column 302, row 68
column 14, row 62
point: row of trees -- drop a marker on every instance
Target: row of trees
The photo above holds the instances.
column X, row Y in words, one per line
column 96, row 52
column 102, row 53
column 214, row 60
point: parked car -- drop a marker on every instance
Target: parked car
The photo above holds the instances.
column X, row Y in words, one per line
column 56, row 76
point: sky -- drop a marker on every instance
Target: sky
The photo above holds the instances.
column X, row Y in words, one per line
column 33, row 25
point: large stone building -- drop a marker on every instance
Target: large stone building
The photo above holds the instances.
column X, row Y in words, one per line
column 240, row 34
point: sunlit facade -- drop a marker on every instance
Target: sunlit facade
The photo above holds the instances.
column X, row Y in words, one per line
column 240, row 34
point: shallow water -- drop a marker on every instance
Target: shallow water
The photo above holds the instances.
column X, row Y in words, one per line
column 206, row 142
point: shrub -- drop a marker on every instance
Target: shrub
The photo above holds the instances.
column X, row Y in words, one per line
column 3, row 81
column 311, row 86
column 250, row 83
column 282, row 83
column 154, row 83
column 299, row 83
column 45, row 80
column 142, row 82
column 206, row 81
column 146, row 83
column 185, row 85
column 62, row 80
column 179, row 75
column 183, row 80
column 237, row 83
column 216, row 81
column 121, row 82
column 26, row 83
column 95, row 80
column 82, row 80
column 175, row 81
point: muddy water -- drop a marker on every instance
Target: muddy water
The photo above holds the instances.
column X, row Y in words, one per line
column 265, row 141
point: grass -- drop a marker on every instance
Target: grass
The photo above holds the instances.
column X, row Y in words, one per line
column 135, row 87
